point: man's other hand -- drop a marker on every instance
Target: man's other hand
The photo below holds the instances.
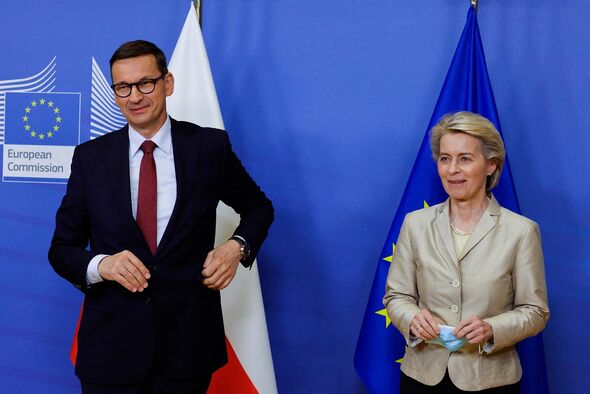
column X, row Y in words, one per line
column 126, row 269
column 221, row 264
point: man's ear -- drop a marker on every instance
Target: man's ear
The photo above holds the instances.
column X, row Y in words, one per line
column 169, row 81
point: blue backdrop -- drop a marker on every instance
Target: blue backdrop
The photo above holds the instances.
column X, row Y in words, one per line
column 326, row 103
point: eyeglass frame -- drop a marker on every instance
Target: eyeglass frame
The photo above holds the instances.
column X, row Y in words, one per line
column 136, row 84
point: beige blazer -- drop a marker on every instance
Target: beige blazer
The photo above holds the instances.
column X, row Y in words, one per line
column 498, row 277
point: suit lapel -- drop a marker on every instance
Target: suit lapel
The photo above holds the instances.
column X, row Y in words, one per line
column 117, row 162
column 185, row 148
column 443, row 227
column 483, row 227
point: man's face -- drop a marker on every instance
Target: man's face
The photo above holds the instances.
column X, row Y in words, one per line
column 146, row 113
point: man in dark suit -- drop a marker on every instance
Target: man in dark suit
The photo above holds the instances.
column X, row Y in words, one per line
column 135, row 233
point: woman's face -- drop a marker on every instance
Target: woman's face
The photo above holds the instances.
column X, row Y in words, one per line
column 462, row 167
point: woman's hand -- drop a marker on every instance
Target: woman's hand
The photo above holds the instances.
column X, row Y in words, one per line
column 424, row 325
column 474, row 330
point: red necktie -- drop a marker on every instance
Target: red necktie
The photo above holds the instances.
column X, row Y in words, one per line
column 147, row 196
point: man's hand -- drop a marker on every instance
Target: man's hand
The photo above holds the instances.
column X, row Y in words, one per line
column 424, row 325
column 221, row 264
column 474, row 330
column 126, row 269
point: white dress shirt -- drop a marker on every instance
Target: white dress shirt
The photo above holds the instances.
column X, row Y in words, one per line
column 166, row 184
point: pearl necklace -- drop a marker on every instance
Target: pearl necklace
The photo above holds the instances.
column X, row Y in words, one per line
column 460, row 233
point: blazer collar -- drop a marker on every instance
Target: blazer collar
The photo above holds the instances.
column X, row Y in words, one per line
column 186, row 158
column 482, row 228
column 117, row 162
column 443, row 226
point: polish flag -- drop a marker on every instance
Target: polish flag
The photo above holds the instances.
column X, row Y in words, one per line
column 250, row 368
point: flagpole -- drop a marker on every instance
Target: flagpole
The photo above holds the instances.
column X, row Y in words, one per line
column 199, row 8
column 473, row 3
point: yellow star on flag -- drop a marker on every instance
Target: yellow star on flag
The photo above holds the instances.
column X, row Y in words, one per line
column 27, row 127
column 55, row 128
column 383, row 312
column 33, row 133
column 58, row 119
column 27, row 110
column 25, row 118
column 426, row 204
column 390, row 257
column 49, row 134
column 50, row 103
column 56, row 110
column 42, row 101
column 399, row 360
column 41, row 136
column 33, row 103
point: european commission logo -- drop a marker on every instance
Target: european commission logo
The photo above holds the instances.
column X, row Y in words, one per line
column 40, row 129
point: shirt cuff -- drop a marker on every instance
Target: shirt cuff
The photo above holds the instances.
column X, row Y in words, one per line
column 92, row 275
column 414, row 341
column 239, row 237
column 487, row 347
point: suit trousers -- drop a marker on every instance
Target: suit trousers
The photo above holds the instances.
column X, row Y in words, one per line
column 157, row 382
column 408, row 385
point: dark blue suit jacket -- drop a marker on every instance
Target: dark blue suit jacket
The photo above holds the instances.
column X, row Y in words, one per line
column 176, row 321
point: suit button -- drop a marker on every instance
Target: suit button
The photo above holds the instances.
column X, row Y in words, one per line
column 148, row 300
column 455, row 283
column 454, row 308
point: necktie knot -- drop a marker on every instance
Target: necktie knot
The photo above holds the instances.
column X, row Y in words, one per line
column 148, row 146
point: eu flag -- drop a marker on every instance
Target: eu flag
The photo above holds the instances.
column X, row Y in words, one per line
column 380, row 346
column 44, row 118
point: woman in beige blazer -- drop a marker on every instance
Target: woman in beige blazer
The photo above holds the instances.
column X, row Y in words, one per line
column 469, row 264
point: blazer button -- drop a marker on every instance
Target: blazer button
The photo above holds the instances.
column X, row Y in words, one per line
column 148, row 300
column 455, row 283
column 454, row 308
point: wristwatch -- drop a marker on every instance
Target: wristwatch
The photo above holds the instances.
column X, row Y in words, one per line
column 244, row 247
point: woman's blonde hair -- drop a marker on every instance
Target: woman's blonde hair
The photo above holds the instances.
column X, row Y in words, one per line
column 476, row 126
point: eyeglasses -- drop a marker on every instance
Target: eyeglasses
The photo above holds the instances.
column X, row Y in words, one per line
column 145, row 86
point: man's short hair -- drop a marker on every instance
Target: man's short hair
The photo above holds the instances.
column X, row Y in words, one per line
column 140, row 48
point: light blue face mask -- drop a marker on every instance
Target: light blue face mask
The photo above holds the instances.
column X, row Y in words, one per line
column 447, row 339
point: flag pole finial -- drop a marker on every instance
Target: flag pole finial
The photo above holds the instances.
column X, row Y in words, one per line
column 474, row 4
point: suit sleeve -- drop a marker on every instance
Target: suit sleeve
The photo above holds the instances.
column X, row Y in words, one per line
column 68, row 254
column 242, row 194
column 401, row 291
column 531, row 312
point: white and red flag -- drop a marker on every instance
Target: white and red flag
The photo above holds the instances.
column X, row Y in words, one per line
column 250, row 368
